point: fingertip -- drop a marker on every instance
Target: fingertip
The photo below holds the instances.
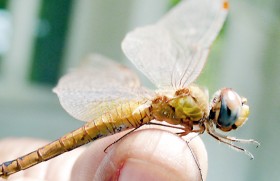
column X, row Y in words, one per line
column 161, row 155
column 151, row 154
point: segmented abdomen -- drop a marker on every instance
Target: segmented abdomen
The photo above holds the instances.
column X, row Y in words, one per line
column 117, row 120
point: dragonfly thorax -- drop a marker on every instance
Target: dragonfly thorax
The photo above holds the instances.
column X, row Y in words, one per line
column 187, row 107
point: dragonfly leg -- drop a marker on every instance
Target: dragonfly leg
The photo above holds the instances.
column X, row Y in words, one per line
column 228, row 141
column 105, row 150
column 198, row 131
column 193, row 137
column 181, row 134
column 233, row 139
column 195, row 159
column 150, row 123
column 165, row 125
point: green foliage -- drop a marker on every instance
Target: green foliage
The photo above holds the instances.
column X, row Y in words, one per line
column 173, row 3
column 3, row 4
column 50, row 41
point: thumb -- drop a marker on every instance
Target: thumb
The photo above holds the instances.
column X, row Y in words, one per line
column 148, row 154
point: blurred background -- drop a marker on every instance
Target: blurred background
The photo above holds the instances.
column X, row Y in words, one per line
column 41, row 40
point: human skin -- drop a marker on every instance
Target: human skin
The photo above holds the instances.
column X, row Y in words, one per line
column 147, row 154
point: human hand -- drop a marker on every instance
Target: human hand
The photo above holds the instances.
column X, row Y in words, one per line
column 148, row 154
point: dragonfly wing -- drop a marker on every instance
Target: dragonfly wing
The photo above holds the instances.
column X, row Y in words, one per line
column 172, row 52
column 97, row 86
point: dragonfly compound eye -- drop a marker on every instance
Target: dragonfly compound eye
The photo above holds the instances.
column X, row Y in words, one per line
column 228, row 110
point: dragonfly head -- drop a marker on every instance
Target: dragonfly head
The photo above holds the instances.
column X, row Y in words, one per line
column 228, row 110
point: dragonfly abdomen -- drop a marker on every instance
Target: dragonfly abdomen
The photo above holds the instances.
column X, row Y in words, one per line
column 115, row 121
column 66, row 143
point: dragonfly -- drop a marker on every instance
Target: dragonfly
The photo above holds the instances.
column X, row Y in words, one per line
column 171, row 53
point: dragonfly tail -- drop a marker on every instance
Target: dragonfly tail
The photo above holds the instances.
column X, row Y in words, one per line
column 66, row 143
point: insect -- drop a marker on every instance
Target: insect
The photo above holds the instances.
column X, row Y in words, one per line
column 171, row 53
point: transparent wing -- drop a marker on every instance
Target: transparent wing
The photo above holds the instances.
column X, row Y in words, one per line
column 97, row 86
column 172, row 52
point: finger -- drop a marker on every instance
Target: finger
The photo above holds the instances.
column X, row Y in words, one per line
column 148, row 154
